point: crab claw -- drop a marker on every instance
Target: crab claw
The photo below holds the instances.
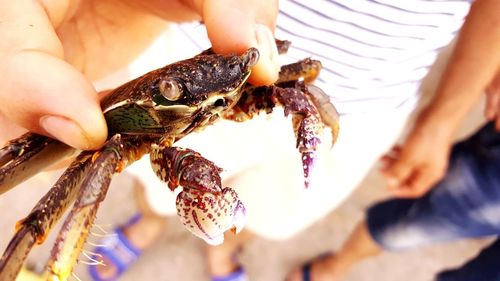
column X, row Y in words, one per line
column 209, row 215
column 307, row 124
column 308, row 133
column 204, row 207
column 311, row 110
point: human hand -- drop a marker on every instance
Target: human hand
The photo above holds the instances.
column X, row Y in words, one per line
column 413, row 168
column 492, row 108
column 51, row 50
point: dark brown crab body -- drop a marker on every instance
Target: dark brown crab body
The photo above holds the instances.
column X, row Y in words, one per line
column 148, row 115
column 176, row 99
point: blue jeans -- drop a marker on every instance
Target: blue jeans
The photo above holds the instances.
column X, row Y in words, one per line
column 464, row 204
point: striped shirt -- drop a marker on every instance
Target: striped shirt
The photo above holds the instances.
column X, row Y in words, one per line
column 375, row 53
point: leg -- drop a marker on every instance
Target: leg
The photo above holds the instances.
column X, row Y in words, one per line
column 140, row 232
column 482, row 268
column 456, row 208
column 113, row 157
column 27, row 155
column 149, row 228
column 222, row 258
column 359, row 245
column 36, row 226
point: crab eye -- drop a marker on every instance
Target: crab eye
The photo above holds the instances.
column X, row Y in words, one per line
column 219, row 103
column 170, row 89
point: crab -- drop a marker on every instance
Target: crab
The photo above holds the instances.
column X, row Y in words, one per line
column 147, row 116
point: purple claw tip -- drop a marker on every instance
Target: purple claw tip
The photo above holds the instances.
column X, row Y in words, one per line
column 308, row 162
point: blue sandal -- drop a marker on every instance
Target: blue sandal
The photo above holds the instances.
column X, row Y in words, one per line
column 306, row 268
column 306, row 271
column 117, row 251
column 238, row 275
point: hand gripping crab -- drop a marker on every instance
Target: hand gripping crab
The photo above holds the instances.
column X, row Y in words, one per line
column 148, row 115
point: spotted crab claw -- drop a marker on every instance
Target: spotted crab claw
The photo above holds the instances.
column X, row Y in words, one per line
column 203, row 206
column 208, row 215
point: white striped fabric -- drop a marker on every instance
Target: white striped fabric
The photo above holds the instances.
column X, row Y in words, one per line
column 374, row 52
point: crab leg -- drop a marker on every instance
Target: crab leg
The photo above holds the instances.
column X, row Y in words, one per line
column 306, row 123
column 116, row 155
column 327, row 111
column 26, row 156
column 35, row 227
column 310, row 107
column 308, row 70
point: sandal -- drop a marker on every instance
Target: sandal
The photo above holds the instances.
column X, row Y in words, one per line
column 306, row 268
column 238, row 275
column 117, row 251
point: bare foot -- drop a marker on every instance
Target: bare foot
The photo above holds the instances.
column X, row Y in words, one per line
column 222, row 258
column 322, row 269
column 221, row 262
column 140, row 234
column 107, row 270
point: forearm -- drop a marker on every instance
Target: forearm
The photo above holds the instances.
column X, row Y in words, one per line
column 472, row 66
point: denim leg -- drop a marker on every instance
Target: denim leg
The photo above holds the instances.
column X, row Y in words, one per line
column 484, row 267
column 465, row 204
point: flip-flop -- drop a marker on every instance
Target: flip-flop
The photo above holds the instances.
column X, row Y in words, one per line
column 238, row 275
column 306, row 268
column 118, row 251
column 306, row 271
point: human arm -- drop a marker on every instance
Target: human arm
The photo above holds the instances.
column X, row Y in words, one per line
column 414, row 167
column 48, row 48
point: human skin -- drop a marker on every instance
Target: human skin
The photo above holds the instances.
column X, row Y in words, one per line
column 492, row 108
column 413, row 167
column 51, row 51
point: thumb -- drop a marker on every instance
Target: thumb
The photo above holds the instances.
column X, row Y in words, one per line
column 234, row 26
column 48, row 96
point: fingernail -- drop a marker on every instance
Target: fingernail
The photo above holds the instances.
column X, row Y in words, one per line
column 65, row 130
column 266, row 42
